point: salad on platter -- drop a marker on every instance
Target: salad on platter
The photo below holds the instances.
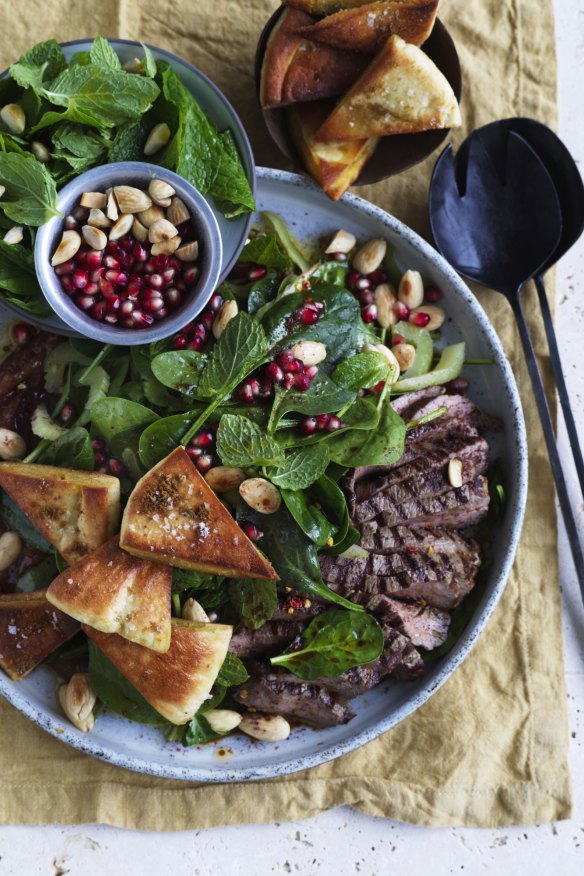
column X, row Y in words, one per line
column 244, row 526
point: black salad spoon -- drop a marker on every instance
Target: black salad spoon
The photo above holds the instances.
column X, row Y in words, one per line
column 495, row 216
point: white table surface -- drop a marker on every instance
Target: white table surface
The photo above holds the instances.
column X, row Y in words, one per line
column 343, row 842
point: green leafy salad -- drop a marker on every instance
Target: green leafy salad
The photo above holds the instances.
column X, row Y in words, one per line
column 293, row 389
column 59, row 119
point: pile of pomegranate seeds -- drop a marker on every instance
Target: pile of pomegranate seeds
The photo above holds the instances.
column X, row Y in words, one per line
column 106, row 464
column 121, row 259
column 324, row 422
column 201, row 449
column 195, row 335
column 286, row 370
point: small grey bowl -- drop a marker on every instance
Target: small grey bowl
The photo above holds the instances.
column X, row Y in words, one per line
column 139, row 174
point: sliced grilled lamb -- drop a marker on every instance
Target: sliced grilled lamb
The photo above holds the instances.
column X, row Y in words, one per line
column 408, row 404
column 426, row 626
column 270, row 639
column 283, row 694
column 424, row 567
column 455, row 509
column 446, row 593
column 394, row 539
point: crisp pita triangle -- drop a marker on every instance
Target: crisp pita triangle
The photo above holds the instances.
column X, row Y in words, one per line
column 176, row 683
column 117, row 593
column 335, row 166
column 401, row 92
column 173, row 516
column 75, row 510
column 30, row 629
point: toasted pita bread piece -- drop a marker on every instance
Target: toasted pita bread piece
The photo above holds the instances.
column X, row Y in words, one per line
column 76, row 511
column 117, row 593
column 176, row 683
column 173, row 516
column 364, row 29
column 335, row 166
column 30, row 629
column 401, row 92
column 295, row 69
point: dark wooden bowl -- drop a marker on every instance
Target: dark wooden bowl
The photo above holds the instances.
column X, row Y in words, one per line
column 393, row 154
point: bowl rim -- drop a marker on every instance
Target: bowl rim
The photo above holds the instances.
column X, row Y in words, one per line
column 77, row 319
column 515, row 511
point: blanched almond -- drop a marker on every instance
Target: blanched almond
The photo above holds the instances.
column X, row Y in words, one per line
column 14, row 235
column 309, row 352
column 134, row 65
column 132, row 200
column 78, row 700
column 112, row 209
column 151, row 215
column 166, row 247
column 343, row 241
column 94, row 237
column 223, row 478
column 121, row 226
column 455, row 473
column 267, row 728
column 94, row 200
column 40, row 151
column 12, row 445
column 157, row 139
column 223, row 720
column 161, row 230
column 10, row 548
column 225, row 314
column 161, row 192
column 177, row 211
column 194, row 611
column 98, row 219
column 385, row 299
column 139, row 231
column 411, row 289
column 369, row 256
column 188, row 252
column 13, row 117
column 405, row 355
column 260, row 495
column 69, row 245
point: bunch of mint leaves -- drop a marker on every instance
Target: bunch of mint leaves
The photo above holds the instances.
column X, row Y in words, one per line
column 88, row 112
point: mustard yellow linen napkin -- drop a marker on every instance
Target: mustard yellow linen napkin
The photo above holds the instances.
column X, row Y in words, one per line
column 490, row 747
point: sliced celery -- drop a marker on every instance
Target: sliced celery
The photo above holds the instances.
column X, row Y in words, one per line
column 422, row 341
column 449, row 367
column 291, row 246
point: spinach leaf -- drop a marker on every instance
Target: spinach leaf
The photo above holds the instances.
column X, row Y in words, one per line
column 232, row 669
column 159, row 438
column 287, row 240
column 186, row 579
column 37, row 577
column 47, row 53
column 331, row 273
column 254, row 601
column 301, row 468
column 179, row 369
column 381, row 446
column 361, row 371
column 71, row 450
column 266, row 251
column 240, row 349
column 103, row 55
column 15, row 519
column 262, row 292
column 292, row 553
column 116, row 693
column 31, row 196
column 230, row 187
column 18, row 278
column 112, row 416
column 100, row 101
column 241, row 443
column 331, row 499
column 332, row 643
column 309, row 518
column 323, row 397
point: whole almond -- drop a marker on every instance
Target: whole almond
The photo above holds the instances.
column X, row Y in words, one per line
column 223, row 478
column 370, row 255
column 188, row 252
column 411, row 289
column 309, row 352
column 177, row 211
column 161, row 192
column 343, row 241
column 223, row 720
column 131, row 200
column 40, row 151
column 260, row 495
column 405, row 355
column 121, row 226
column 97, row 218
column 161, row 230
column 194, row 611
column 78, row 700
column 97, row 200
column 384, row 301
column 225, row 314
column 157, row 139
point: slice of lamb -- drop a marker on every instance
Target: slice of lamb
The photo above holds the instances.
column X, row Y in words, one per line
column 268, row 640
column 392, row 539
column 446, row 593
column 426, row 626
column 452, row 510
column 283, row 694
column 434, row 566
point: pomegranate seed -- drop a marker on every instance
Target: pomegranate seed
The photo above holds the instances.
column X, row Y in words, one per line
column 106, row 288
column 215, row 301
column 180, row 284
column 266, row 388
column 302, row 382
column 84, row 302
column 116, row 467
column 378, row 276
column 246, row 395
column 111, row 318
column 168, row 276
column 199, row 331
column 97, row 275
column 193, row 452
column 179, row 342
column 397, row 339
column 352, row 278
column 80, row 279
column 98, row 458
column 67, row 413
column 369, row 313
column 140, row 253
column 94, row 258
column 91, row 289
column 362, row 283
column 420, row 319
column 150, row 266
column 254, row 383
column 70, row 223
column 333, row 424
column 80, row 213
column 308, row 425
column 67, row 284
column 366, row 298
column 286, row 359
column 111, row 262
column 203, row 439
column 289, row 380
column 126, row 322
column 274, row 372
column 126, row 307
column 156, row 281
column 311, row 371
column 432, row 294
column 113, row 304
column 402, row 311
column 22, row 332
column 208, row 318
column 161, row 313
column 135, row 284
column 81, row 258
column 112, row 246
column 322, row 421
column 337, row 256
column 196, row 344
column 153, row 304
column 161, row 262
column 118, row 278
column 204, row 463
column 98, row 444
column 65, row 268
column 191, row 275
column 141, row 319
column 307, row 316
column 99, row 310
column 252, row 532
column 257, row 273
column 127, row 242
column 173, row 297
column 378, row 387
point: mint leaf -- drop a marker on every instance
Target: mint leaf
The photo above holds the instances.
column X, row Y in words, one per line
column 241, row 443
column 31, row 196
column 232, row 669
column 29, row 75
column 266, row 251
column 150, row 68
column 302, row 468
column 17, row 274
column 93, row 98
column 103, row 55
column 332, row 643
column 128, row 143
column 241, row 347
column 361, row 371
column 230, row 188
column 47, row 53
column 255, row 603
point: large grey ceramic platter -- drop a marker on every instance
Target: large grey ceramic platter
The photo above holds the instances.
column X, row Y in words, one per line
column 309, row 213
column 218, row 109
